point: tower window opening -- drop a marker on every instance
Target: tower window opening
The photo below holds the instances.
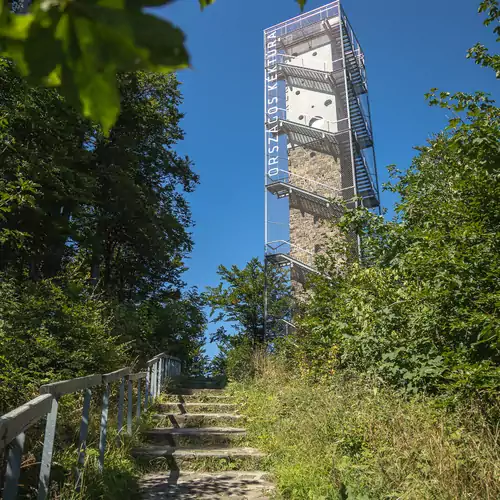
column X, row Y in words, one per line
column 316, row 122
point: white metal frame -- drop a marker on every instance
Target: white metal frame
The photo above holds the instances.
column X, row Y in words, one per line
column 278, row 39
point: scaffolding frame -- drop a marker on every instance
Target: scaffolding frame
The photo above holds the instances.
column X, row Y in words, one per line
column 349, row 139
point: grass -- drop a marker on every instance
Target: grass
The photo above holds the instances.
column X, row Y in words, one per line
column 352, row 439
column 121, row 471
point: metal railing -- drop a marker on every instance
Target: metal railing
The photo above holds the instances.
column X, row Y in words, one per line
column 304, row 20
column 277, row 247
column 14, row 424
column 307, row 184
column 300, row 62
column 314, row 122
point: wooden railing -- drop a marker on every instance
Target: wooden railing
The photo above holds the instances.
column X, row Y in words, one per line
column 14, row 424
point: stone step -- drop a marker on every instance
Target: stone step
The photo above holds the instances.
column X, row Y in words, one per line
column 208, row 485
column 195, row 436
column 186, row 453
column 203, row 407
column 195, row 431
column 189, row 391
column 200, row 383
column 194, row 419
column 199, row 396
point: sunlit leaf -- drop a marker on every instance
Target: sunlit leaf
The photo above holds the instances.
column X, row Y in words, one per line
column 206, row 3
column 81, row 46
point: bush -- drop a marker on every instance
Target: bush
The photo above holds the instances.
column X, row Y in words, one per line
column 49, row 332
column 352, row 438
column 240, row 361
column 422, row 311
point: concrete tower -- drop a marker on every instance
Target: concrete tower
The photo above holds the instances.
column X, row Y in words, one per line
column 318, row 138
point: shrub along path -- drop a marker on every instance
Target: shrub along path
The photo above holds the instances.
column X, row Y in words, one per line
column 197, row 449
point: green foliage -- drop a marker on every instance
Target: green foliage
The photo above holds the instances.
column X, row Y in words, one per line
column 113, row 206
column 206, row 3
column 166, row 322
column 14, row 193
column 52, row 331
column 239, row 300
column 422, row 312
column 81, row 46
column 479, row 52
column 239, row 362
column 352, row 438
column 94, row 233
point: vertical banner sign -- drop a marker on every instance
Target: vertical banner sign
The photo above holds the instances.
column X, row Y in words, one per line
column 272, row 110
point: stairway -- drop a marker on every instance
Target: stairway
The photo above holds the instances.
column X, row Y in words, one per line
column 197, row 449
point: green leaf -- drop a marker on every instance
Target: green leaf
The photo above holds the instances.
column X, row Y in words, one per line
column 206, row 3
column 82, row 46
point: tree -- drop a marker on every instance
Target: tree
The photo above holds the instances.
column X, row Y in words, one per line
column 115, row 204
column 165, row 323
column 134, row 234
column 94, row 232
column 239, row 300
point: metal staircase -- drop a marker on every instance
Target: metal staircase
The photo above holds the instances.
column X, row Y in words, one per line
column 296, row 74
column 364, row 182
column 300, row 134
column 284, row 254
column 307, row 195
column 359, row 124
column 353, row 60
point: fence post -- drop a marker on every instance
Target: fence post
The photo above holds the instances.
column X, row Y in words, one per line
column 159, row 377
column 104, row 425
column 121, row 398
column 153, row 381
column 129, row 402
column 13, row 467
column 147, row 388
column 84, row 429
column 48, row 446
column 138, row 406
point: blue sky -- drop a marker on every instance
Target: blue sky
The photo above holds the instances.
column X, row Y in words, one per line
column 409, row 47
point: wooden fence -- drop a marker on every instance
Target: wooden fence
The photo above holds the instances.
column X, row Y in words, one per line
column 14, row 424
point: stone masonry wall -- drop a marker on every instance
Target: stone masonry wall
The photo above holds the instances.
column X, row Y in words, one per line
column 307, row 231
